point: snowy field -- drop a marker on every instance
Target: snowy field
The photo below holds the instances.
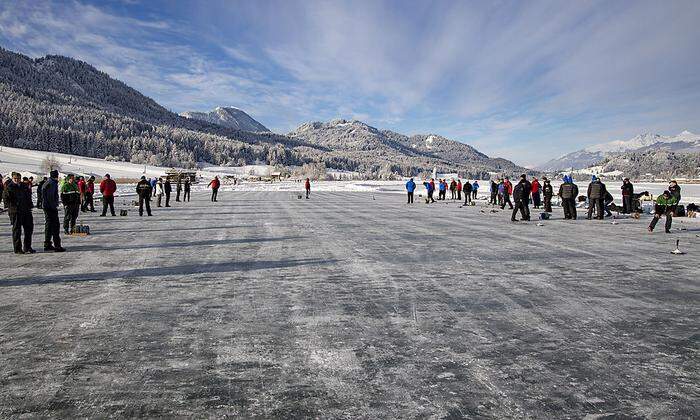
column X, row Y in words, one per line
column 351, row 305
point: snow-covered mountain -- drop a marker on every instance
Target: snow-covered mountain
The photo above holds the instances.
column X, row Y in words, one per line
column 685, row 142
column 227, row 116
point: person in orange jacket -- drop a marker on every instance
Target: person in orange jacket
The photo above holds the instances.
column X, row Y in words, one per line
column 214, row 184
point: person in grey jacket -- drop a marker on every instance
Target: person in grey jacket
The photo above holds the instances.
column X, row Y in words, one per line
column 52, row 225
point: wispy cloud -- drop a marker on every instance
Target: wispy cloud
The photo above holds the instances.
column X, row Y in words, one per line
column 526, row 80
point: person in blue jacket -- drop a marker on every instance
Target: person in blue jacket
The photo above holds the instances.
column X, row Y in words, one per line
column 153, row 183
column 475, row 188
column 430, row 188
column 410, row 187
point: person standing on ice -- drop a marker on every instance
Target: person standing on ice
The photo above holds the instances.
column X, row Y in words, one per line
column 536, row 193
column 153, row 183
column 665, row 205
column 507, row 191
column 52, row 226
column 159, row 191
column 70, row 196
column 82, row 188
column 467, row 189
column 443, row 189
column 178, row 188
column 596, row 195
column 459, row 189
column 18, row 201
column 39, row 197
column 521, row 197
column 493, row 190
column 475, row 189
column 627, row 194
column 144, row 191
column 548, row 192
column 453, row 189
column 214, row 184
column 430, row 188
column 410, row 187
column 307, row 187
column 568, row 191
column 186, row 189
column 167, row 188
column 108, row 187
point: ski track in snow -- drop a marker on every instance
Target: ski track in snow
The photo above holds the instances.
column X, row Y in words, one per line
column 350, row 305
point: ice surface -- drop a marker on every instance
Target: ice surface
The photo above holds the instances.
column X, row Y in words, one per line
column 350, row 305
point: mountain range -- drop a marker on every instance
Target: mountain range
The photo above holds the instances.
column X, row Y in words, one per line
column 60, row 104
column 683, row 143
column 228, row 116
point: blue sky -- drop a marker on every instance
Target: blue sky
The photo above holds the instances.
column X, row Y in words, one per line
column 525, row 80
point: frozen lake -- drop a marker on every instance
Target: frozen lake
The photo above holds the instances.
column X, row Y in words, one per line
column 351, row 305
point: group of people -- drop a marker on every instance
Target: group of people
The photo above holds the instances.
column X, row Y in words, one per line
column 76, row 194
column 540, row 195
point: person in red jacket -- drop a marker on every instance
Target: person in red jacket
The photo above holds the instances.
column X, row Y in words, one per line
column 536, row 189
column 507, row 192
column 307, row 187
column 108, row 188
column 214, row 184
column 82, row 189
column 459, row 189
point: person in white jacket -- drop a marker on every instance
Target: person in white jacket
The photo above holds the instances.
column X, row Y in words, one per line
column 159, row 191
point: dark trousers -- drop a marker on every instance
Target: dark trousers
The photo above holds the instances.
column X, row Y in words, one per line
column 308, row 193
column 524, row 210
column 569, row 205
column 474, row 194
column 410, row 197
column 459, row 195
column 22, row 222
column 596, row 203
column 70, row 215
column 147, row 202
column 506, row 200
column 177, row 194
column 52, row 229
column 467, row 197
column 493, row 198
column 536, row 200
column 627, row 204
column 442, row 194
column 660, row 211
column 108, row 202
column 167, row 199
column 430, row 197
column 39, row 200
column 548, row 203
column 215, row 192
column 90, row 201
column 186, row 197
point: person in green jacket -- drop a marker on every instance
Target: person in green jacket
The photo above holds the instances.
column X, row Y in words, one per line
column 665, row 205
column 70, row 197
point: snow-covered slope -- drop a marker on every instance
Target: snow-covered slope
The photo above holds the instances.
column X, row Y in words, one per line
column 685, row 142
column 228, row 116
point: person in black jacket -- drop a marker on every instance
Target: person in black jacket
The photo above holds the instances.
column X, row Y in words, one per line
column 627, row 194
column 18, row 200
column 168, row 189
column 39, row 197
column 144, row 191
column 521, row 198
column 675, row 191
column 467, row 189
column 596, row 196
column 186, row 189
column 52, row 225
column 178, row 188
column 568, row 191
column 548, row 193
column 494, row 192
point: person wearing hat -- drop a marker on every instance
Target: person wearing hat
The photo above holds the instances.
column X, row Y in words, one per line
column 144, row 191
column 627, row 194
column 548, row 193
column 596, row 196
column 665, row 205
column 568, row 191
column 52, row 225
column 521, row 198
column 17, row 196
column 70, row 196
